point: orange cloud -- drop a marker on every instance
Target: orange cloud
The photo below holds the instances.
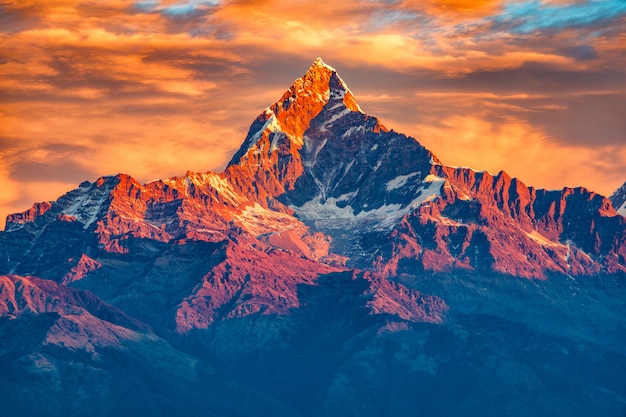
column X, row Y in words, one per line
column 112, row 87
column 456, row 9
column 523, row 151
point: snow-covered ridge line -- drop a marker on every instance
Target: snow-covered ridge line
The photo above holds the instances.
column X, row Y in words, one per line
column 384, row 217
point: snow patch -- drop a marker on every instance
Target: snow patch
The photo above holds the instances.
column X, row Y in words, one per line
column 214, row 181
column 271, row 125
column 221, row 185
column 346, row 197
column 257, row 220
column 429, row 191
column 330, row 215
column 346, row 169
column 357, row 130
column 622, row 209
column 316, row 150
column 334, row 118
column 275, row 140
column 399, row 181
column 345, row 90
column 568, row 255
column 87, row 205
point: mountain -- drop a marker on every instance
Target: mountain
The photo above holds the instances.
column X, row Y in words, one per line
column 335, row 267
column 344, row 174
column 65, row 352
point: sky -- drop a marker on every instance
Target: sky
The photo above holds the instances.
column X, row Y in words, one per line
column 155, row 88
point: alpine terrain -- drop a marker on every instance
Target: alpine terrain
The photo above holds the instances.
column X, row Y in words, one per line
column 335, row 268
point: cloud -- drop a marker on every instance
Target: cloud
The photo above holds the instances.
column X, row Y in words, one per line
column 580, row 52
column 65, row 172
column 586, row 119
column 524, row 152
column 156, row 88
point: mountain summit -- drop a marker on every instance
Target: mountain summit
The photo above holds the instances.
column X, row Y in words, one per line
column 314, row 164
column 334, row 267
column 289, row 117
column 345, row 175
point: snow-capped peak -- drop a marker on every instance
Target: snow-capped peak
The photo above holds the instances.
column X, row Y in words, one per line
column 318, row 89
column 333, row 86
column 319, row 63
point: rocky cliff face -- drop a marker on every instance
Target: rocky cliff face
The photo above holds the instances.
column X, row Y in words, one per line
column 332, row 247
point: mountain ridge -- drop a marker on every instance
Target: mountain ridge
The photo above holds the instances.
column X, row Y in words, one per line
column 316, row 155
column 334, row 265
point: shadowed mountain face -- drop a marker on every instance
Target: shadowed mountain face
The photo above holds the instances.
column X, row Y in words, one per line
column 336, row 267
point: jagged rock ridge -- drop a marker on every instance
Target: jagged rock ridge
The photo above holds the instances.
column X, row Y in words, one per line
column 328, row 239
column 313, row 162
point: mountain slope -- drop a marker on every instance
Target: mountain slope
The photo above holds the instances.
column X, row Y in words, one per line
column 346, row 175
column 335, row 267
column 65, row 352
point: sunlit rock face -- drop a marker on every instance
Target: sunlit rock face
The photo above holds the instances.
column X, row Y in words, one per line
column 336, row 267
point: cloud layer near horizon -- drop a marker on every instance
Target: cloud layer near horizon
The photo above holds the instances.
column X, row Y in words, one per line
column 156, row 88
